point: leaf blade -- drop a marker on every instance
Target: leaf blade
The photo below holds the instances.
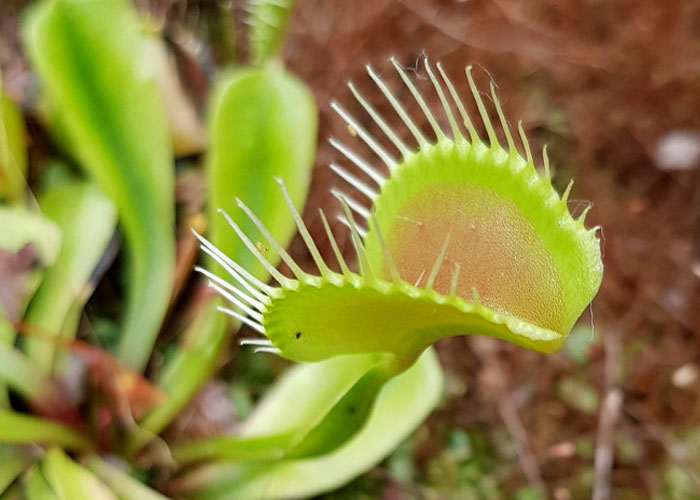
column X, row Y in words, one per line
column 401, row 406
column 119, row 133
column 19, row 428
column 87, row 220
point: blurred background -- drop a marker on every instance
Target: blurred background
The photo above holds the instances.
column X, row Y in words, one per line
column 613, row 89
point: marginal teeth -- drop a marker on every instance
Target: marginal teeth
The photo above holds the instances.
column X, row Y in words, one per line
column 422, row 141
column 502, row 118
column 271, row 350
column 567, row 191
column 528, row 152
column 250, row 312
column 258, row 305
column 355, row 205
column 236, row 270
column 364, row 135
column 380, row 122
column 356, row 241
column 456, row 133
column 473, row 134
column 439, row 134
column 354, row 181
column 300, row 275
column 545, row 161
column 304, row 232
column 255, row 326
column 344, row 221
column 258, row 342
column 281, row 279
column 493, row 140
column 334, row 244
column 361, row 164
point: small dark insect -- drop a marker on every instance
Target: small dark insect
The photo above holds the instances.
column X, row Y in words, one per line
column 297, row 335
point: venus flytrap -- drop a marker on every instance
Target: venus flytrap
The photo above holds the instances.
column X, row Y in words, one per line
column 462, row 237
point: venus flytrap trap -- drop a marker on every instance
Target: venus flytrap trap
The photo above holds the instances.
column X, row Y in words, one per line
column 462, row 237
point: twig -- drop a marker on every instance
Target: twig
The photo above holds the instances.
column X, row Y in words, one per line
column 610, row 407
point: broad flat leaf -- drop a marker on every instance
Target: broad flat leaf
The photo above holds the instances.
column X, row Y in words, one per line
column 14, row 460
column 13, row 151
column 92, row 58
column 27, row 378
column 320, row 420
column 263, row 126
column 20, row 428
column 36, row 487
column 186, row 129
column 7, row 334
column 121, row 483
column 268, row 25
column 402, row 405
column 15, row 271
column 28, row 242
column 87, row 219
column 71, row 481
column 22, row 226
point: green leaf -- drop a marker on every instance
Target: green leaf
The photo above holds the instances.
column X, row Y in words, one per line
column 187, row 132
column 27, row 378
column 402, row 405
column 263, row 126
column 322, row 418
column 71, row 481
column 88, row 220
column 13, row 151
column 122, row 484
column 36, row 487
column 15, row 460
column 22, row 226
column 19, row 428
column 91, row 57
column 268, row 25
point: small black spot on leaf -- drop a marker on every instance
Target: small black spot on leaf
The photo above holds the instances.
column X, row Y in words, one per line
column 297, row 335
